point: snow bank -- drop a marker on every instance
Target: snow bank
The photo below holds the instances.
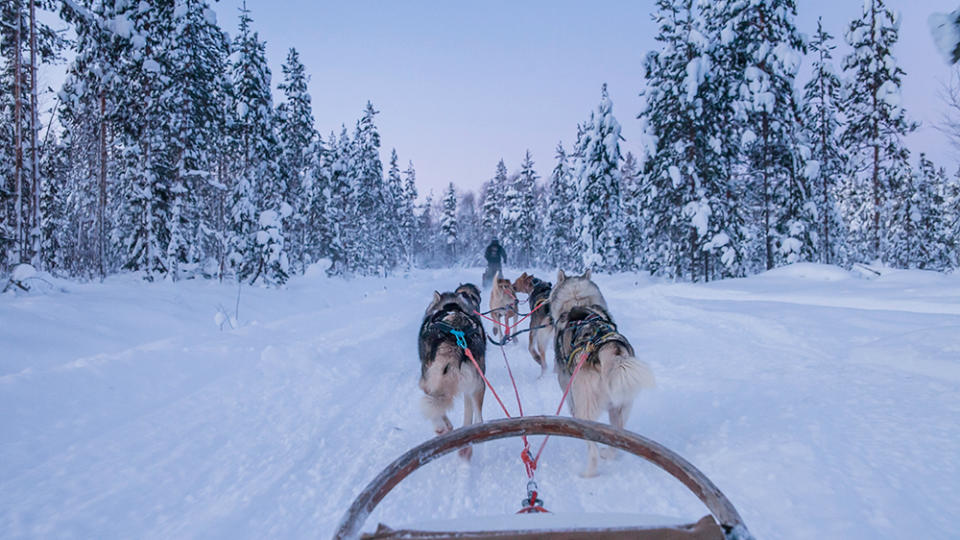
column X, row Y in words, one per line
column 811, row 271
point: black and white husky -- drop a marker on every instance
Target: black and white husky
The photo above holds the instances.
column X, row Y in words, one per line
column 445, row 370
column 611, row 376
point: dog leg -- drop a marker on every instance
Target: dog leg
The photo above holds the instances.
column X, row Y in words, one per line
column 586, row 391
column 478, row 402
column 618, row 417
column 496, row 325
column 537, row 356
column 442, row 425
column 467, row 451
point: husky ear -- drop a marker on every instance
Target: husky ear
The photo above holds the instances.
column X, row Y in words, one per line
column 436, row 296
column 560, row 277
column 587, row 274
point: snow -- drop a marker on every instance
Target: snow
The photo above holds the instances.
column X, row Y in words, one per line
column 822, row 403
column 674, row 173
column 22, row 272
column 945, row 33
column 150, row 65
column 889, row 93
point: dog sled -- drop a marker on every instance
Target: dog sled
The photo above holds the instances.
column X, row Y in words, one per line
column 722, row 523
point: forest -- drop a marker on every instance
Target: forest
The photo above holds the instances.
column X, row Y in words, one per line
column 166, row 154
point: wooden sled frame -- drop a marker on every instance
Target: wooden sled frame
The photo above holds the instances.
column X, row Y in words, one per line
column 716, row 502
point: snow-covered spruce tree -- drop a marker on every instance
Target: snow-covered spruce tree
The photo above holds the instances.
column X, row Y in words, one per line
column 690, row 213
column 258, row 201
column 196, row 101
column 448, row 225
column 470, row 233
column 919, row 240
column 392, row 219
column 632, row 196
column 54, row 225
column 341, row 228
column 826, row 166
column 875, row 128
column 316, row 191
column 494, row 194
column 950, row 215
column 369, row 253
column 766, row 49
column 26, row 44
column 408, row 217
column 597, row 175
column 89, row 101
column 428, row 232
column 143, row 227
column 519, row 224
column 560, row 227
column 298, row 139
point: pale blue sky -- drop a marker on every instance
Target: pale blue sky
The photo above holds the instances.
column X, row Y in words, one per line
column 461, row 85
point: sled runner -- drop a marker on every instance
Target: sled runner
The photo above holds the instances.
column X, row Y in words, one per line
column 723, row 522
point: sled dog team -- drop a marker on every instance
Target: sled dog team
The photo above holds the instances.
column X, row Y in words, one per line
column 573, row 314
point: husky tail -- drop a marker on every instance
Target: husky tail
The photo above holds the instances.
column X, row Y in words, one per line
column 624, row 375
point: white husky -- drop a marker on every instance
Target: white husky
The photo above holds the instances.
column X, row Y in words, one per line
column 611, row 376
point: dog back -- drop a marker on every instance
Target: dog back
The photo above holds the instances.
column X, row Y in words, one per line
column 586, row 329
column 450, row 311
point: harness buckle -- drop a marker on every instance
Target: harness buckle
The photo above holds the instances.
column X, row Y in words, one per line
column 461, row 340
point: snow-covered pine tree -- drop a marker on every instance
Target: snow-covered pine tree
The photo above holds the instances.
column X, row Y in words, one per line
column 597, row 176
column 259, row 207
column 875, row 128
column 826, row 166
column 724, row 187
column 448, row 225
column 298, row 139
column 55, row 170
column 196, row 100
column 369, row 255
column 427, row 237
column 316, row 226
column 560, row 227
column 919, row 239
column 341, row 227
column 519, row 224
column 632, row 196
column 470, row 240
column 690, row 214
column 766, row 48
column 26, row 44
column 87, row 102
column 143, row 225
column 392, row 219
column 950, row 215
column 408, row 217
column 494, row 193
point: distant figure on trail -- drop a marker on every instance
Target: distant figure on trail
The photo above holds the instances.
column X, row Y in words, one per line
column 495, row 255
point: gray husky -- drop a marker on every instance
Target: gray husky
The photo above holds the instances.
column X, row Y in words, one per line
column 445, row 370
column 611, row 376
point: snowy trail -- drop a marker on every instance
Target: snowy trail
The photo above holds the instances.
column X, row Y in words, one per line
column 822, row 404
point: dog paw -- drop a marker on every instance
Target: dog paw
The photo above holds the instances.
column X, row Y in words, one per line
column 589, row 472
column 466, row 453
column 608, row 453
